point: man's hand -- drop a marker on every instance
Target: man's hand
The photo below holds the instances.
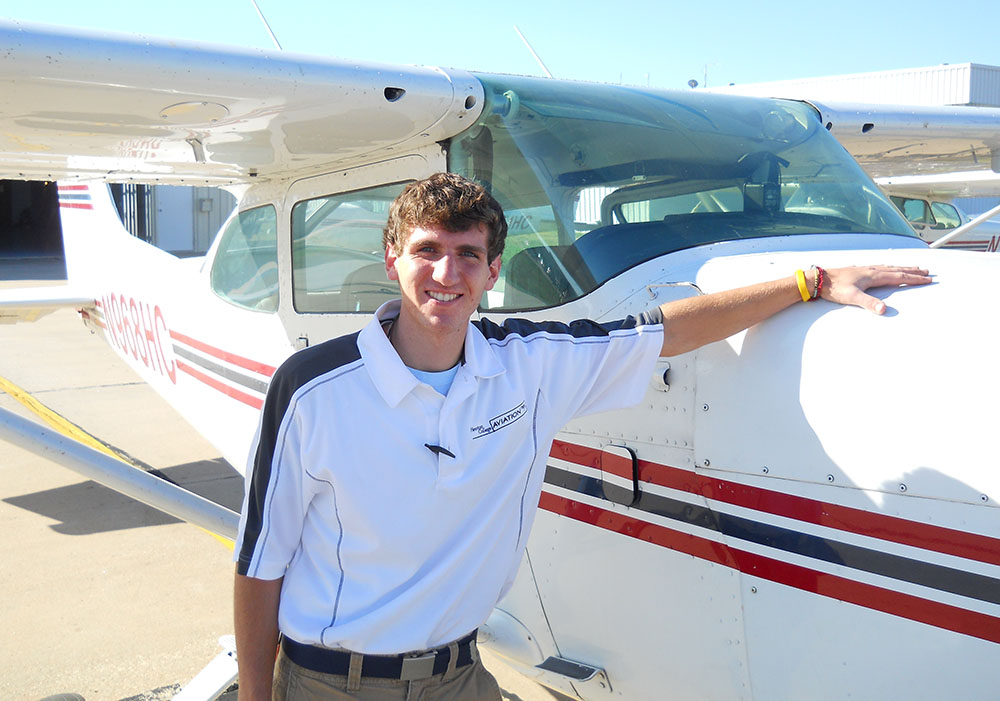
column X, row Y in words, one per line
column 848, row 285
column 692, row 322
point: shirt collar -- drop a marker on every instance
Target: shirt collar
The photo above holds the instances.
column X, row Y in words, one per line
column 393, row 379
column 480, row 358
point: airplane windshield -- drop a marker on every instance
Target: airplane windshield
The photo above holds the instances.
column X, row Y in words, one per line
column 596, row 179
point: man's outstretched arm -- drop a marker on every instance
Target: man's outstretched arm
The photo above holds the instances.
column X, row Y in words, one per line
column 691, row 323
column 255, row 607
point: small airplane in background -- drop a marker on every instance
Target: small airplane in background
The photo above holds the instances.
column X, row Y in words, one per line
column 932, row 218
column 928, row 203
column 808, row 509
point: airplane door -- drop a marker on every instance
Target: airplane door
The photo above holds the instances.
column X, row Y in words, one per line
column 333, row 273
column 639, row 587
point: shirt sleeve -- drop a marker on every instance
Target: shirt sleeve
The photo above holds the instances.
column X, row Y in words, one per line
column 587, row 367
column 616, row 372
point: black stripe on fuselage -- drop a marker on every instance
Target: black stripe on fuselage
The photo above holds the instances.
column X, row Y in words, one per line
column 221, row 370
column 969, row 584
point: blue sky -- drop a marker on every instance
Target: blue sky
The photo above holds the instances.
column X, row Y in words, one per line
column 640, row 42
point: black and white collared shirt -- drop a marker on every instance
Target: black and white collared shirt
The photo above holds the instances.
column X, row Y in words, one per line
column 397, row 516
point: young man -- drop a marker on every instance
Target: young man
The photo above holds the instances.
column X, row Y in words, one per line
column 397, row 470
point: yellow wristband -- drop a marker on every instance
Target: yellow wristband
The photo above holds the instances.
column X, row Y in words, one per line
column 800, row 278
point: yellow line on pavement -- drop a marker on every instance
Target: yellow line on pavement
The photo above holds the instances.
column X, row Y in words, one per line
column 58, row 422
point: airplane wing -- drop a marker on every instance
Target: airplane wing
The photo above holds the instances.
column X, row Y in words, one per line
column 32, row 303
column 80, row 104
column 124, row 108
column 980, row 183
column 898, row 140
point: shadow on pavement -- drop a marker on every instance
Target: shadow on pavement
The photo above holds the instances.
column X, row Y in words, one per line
column 88, row 507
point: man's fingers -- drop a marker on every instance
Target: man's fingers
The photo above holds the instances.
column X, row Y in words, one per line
column 886, row 275
column 901, row 269
column 848, row 285
column 866, row 301
column 844, row 280
column 877, row 306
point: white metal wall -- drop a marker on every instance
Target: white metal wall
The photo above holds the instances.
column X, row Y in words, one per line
column 985, row 89
column 949, row 84
column 187, row 218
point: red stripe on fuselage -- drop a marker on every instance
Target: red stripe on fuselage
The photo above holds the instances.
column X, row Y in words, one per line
column 616, row 465
column 845, row 518
column 61, row 188
column 76, row 205
column 914, row 608
column 222, row 387
column 238, row 360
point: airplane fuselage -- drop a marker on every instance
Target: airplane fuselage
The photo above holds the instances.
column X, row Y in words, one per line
column 807, row 509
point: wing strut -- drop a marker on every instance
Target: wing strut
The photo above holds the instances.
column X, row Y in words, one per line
column 117, row 475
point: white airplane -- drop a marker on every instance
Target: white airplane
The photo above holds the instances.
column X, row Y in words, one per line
column 928, row 203
column 934, row 218
column 807, row 510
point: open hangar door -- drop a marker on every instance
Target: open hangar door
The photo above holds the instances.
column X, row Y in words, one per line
column 181, row 220
column 29, row 219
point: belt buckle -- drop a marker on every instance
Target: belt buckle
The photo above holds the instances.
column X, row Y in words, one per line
column 418, row 667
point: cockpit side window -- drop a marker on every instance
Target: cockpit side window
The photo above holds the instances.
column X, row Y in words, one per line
column 916, row 211
column 338, row 263
column 245, row 268
column 945, row 216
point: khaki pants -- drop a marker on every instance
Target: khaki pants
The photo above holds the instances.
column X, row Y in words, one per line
column 470, row 683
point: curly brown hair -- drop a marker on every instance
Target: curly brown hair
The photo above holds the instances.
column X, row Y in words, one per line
column 451, row 202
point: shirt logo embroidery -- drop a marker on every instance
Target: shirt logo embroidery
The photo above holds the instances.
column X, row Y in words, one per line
column 501, row 421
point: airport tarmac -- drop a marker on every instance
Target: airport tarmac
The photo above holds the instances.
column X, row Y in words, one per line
column 102, row 596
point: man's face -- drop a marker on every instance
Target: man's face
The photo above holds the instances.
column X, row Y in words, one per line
column 442, row 276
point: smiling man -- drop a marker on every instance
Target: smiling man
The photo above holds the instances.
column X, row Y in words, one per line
column 397, row 470
column 445, row 254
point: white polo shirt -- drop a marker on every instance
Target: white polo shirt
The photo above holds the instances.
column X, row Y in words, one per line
column 388, row 546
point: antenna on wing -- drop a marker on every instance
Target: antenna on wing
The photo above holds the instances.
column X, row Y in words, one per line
column 547, row 73
column 266, row 25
